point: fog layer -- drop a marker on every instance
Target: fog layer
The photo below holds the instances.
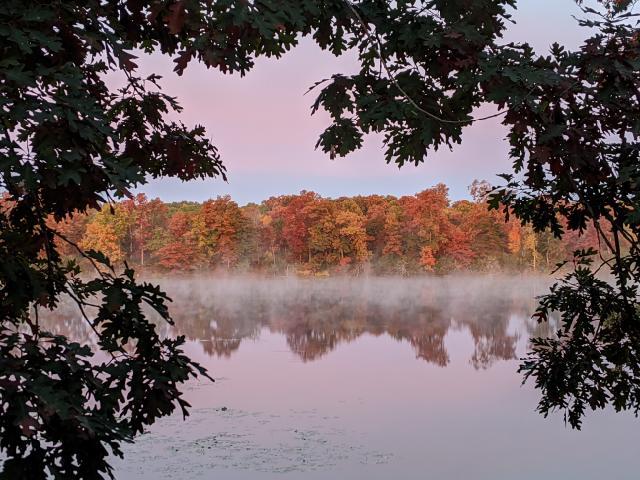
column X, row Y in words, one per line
column 317, row 315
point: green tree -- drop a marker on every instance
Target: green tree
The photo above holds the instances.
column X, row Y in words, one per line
column 69, row 143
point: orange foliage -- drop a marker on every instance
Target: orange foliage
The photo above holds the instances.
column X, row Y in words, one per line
column 305, row 232
column 427, row 259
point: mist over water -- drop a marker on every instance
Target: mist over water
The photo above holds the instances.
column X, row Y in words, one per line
column 365, row 377
column 317, row 315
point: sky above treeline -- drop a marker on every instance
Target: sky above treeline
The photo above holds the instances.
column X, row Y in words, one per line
column 263, row 127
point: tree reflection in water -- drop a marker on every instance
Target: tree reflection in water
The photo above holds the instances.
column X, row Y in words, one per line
column 316, row 316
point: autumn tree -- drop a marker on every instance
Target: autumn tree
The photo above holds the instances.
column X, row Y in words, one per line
column 295, row 228
column 374, row 208
column 478, row 233
column 180, row 252
column 346, row 234
column 218, row 226
column 73, row 228
column 514, row 237
column 426, row 222
column 145, row 223
column 104, row 234
column 427, row 259
column 321, row 233
column 353, row 236
column 251, row 249
column 457, row 250
column 393, row 232
column 268, row 234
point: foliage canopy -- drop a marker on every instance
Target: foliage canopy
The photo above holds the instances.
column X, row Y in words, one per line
column 307, row 233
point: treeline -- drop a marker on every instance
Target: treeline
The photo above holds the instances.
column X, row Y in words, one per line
column 311, row 235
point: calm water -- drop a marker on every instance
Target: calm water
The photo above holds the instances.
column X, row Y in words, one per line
column 367, row 379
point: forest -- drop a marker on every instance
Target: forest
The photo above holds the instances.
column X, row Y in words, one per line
column 307, row 234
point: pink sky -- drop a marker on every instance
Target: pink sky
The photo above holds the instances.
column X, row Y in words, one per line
column 262, row 125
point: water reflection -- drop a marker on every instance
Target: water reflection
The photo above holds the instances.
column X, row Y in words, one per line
column 316, row 316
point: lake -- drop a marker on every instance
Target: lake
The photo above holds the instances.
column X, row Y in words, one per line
column 367, row 378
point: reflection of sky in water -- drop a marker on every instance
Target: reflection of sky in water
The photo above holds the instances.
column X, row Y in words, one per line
column 345, row 379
